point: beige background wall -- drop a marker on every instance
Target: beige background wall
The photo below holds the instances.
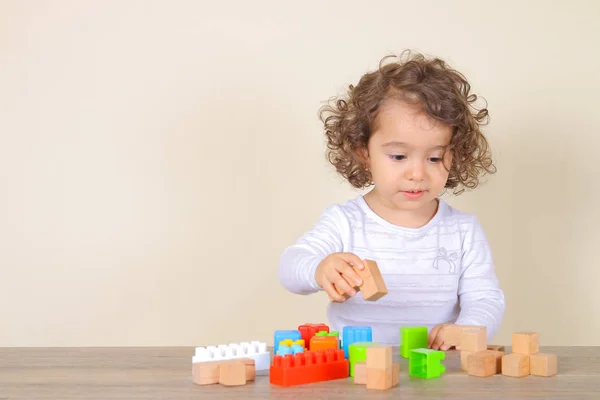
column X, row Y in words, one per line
column 157, row 156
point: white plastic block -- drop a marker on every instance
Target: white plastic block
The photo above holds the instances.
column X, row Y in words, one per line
column 255, row 350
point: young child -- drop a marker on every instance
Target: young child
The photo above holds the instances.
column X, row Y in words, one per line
column 409, row 130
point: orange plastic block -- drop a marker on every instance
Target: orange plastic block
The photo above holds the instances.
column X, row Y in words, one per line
column 324, row 343
column 307, row 331
column 309, row 367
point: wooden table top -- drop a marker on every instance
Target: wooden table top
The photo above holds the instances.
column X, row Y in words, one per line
column 165, row 373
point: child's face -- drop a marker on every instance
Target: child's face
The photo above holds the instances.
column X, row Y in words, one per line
column 407, row 156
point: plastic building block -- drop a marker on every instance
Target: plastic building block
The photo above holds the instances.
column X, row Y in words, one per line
column 526, row 343
column 281, row 335
column 207, row 373
column 255, row 350
column 515, row 365
column 293, row 349
column 485, row 363
column 290, row 342
column 309, row 367
column 357, row 351
column 426, row 363
column 323, row 342
column 353, row 334
column 307, row 331
column 542, row 364
column 412, row 338
column 473, row 340
column 373, row 287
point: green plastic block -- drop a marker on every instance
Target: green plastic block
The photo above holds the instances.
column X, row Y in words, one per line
column 414, row 337
column 357, row 351
column 426, row 363
column 332, row 333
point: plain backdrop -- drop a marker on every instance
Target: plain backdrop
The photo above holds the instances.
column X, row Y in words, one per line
column 156, row 157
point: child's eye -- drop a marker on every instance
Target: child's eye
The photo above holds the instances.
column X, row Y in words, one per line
column 435, row 159
column 397, row 157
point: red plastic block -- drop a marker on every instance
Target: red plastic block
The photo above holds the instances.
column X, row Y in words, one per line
column 309, row 367
column 307, row 331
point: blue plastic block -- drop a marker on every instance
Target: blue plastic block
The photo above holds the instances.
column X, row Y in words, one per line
column 281, row 335
column 352, row 334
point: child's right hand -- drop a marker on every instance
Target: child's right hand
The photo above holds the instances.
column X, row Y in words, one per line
column 335, row 271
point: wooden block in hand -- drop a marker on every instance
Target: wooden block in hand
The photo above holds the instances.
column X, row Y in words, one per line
column 232, row 374
column 379, row 357
column 380, row 379
column 485, row 363
column 360, row 373
column 542, row 364
column 373, row 287
column 473, row 340
column 526, row 343
column 515, row 365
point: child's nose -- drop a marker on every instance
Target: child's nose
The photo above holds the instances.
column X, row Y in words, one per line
column 416, row 171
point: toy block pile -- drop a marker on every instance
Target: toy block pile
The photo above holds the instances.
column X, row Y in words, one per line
column 372, row 286
column 376, row 371
column 526, row 358
column 230, row 365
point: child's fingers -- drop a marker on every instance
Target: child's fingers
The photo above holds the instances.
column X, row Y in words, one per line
column 437, row 342
column 350, row 275
column 342, row 285
column 332, row 293
column 353, row 260
column 433, row 334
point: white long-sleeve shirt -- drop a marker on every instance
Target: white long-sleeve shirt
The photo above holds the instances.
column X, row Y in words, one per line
column 441, row 272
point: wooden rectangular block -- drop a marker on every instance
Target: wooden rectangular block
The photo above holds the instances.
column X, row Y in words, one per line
column 515, row 365
column 453, row 332
column 360, row 373
column 543, row 364
column 485, row 363
column 380, row 379
column 207, row 373
column 496, row 347
column 473, row 340
column 379, row 357
column 232, row 374
column 373, row 287
column 395, row 374
column 526, row 343
column 464, row 359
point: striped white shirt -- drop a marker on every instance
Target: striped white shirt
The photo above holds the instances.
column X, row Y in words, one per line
column 441, row 272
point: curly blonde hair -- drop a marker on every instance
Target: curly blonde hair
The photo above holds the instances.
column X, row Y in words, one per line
column 442, row 92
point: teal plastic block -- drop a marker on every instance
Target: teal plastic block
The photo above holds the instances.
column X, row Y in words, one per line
column 426, row 363
column 413, row 337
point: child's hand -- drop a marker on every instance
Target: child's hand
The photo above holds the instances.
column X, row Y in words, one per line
column 336, row 271
column 435, row 339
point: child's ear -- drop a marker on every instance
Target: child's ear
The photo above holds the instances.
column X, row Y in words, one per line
column 363, row 156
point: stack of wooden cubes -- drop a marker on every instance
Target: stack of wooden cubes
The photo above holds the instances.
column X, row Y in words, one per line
column 476, row 357
column 378, row 371
column 526, row 358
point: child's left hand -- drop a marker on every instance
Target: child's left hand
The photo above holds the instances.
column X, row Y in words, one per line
column 435, row 339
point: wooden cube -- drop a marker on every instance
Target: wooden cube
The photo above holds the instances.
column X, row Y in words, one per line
column 207, row 373
column 360, row 373
column 232, row 374
column 485, row 363
column 526, row 343
column 372, row 287
column 473, row 340
column 380, row 379
column 464, row 359
column 543, row 364
column 496, row 347
column 515, row 365
column 395, row 374
column 452, row 333
column 379, row 357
